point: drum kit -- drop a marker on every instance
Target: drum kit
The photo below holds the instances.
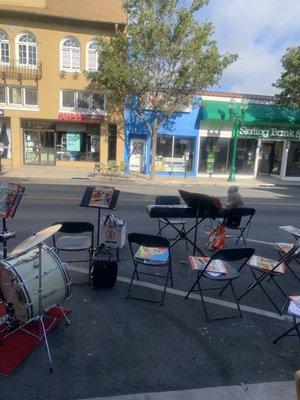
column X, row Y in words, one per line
column 32, row 281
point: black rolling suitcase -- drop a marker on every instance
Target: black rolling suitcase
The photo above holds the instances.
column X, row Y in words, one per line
column 104, row 269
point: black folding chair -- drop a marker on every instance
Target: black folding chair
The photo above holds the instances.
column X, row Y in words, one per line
column 295, row 327
column 261, row 273
column 144, row 256
column 163, row 223
column 239, row 219
column 224, row 255
column 74, row 240
column 284, row 248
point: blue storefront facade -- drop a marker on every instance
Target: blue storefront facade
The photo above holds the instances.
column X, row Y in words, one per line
column 177, row 143
column 199, row 141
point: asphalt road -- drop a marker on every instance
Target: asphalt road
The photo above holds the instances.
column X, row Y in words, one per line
column 117, row 346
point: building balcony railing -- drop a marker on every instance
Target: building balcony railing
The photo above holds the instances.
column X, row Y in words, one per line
column 14, row 70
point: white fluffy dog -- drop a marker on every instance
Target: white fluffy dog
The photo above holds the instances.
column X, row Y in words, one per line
column 234, row 199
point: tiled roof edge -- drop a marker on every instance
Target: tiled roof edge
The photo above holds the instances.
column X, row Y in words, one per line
column 233, row 95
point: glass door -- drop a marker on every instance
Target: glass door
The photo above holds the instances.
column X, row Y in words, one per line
column 265, row 158
column 31, row 147
column 39, row 147
column 276, row 158
column 47, row 148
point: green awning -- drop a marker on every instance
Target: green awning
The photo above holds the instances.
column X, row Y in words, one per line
column 256, row 114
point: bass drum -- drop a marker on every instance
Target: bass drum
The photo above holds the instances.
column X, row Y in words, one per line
column 19, row 282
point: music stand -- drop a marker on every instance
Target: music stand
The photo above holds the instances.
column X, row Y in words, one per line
column 10, row 197
column 205, row 207
column 101, row 198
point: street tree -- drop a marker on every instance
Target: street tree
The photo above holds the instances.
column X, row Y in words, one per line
column 163, row 59
column 289, row 82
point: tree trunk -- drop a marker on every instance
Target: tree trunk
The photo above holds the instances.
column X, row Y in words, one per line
column 153, row 153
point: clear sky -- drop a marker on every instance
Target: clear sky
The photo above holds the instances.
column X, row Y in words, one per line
column 259, row 31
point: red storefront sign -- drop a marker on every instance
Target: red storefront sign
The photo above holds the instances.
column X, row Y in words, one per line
column 62, row 116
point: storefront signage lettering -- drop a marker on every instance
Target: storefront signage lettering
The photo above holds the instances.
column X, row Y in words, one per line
column 270, row 133
column 80, row 117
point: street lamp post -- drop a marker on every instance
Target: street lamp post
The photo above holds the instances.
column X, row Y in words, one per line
column 236, row 119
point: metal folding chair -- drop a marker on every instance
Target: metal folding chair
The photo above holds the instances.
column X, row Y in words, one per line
column 295, row 327
column 165, row 223
column 270, row 270
column 224, row 255
column 284, row 248
column 150, row 252
column 71, row 238
column 239, row 219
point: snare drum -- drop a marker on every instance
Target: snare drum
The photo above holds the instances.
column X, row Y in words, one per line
column 19, row 282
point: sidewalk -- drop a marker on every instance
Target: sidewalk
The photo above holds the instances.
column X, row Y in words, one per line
column 259, row 391
column 34, row 174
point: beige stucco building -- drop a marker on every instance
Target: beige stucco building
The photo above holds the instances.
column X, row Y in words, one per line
column 51, row 115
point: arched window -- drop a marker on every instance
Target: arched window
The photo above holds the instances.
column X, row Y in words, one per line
column 27, row 49
column 92, row 56
column 4, row 47
column 70, row 54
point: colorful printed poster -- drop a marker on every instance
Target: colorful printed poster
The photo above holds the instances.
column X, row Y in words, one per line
column 102, row 196
column 153, row 254
column 294, row 307
column 215, row 267
column 73, row 142
column 284, row 247
column 296, row 300
column 8, row 193
column 266, row 264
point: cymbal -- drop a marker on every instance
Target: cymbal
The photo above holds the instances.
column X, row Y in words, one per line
column 35, row 240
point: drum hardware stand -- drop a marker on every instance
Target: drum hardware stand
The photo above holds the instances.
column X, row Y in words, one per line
column 41, row 312
column 12, row 322
column 5, row 236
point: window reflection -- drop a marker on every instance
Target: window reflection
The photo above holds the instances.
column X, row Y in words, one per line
column 174, row 154
column 77, row 146
column 293, row 164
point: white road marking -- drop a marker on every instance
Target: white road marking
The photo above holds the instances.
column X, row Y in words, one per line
column 254, row 241
column 194, row 296
column 263, row 391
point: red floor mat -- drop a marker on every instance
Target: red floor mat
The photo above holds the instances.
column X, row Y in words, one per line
column 19, row 344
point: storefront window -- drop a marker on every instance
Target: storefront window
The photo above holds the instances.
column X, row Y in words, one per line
column 164, row 152
column 39, row 147
column 214, row 155
column 293, row 163
column 78, row 146
column 174, row 154
column 245, row 156
column 6, row 137
column 183, row 155
column 277, row 157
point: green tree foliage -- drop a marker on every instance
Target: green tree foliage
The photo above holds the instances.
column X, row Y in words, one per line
column 163, row 59
column 289, row 82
